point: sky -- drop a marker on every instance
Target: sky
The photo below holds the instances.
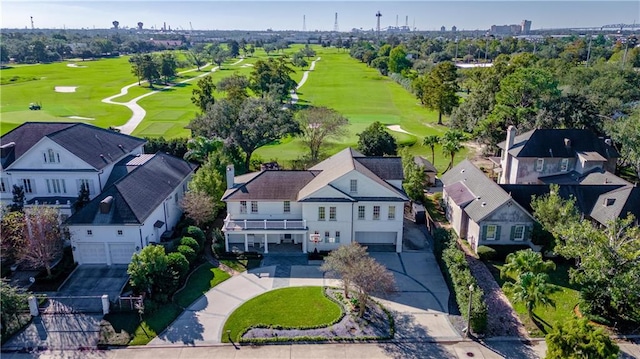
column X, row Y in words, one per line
column 320, row 15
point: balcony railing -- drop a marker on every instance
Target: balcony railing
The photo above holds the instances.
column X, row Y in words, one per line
column 249, row 224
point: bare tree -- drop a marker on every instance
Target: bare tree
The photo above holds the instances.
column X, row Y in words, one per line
column 370, row 278
column 43, row 241
column 319, row 124
column 200, row 207
column 341, row 262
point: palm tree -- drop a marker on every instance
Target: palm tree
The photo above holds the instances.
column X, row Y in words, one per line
column 451, row 143
column 531, row 290
column 200, row 148
column 432, row 141
column 524, row 261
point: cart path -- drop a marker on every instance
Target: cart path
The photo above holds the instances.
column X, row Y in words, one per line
column 305, row 75
column 138, row 112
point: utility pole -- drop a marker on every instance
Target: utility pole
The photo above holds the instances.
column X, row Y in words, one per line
column 335, row 24
column 32, row 28
column 378, row 15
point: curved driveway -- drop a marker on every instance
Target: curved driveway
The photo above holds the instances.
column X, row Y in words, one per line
column 420, row 306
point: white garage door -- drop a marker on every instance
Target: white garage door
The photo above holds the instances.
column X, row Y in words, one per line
column 92, row 253
column 121, row 252
column 376, row 237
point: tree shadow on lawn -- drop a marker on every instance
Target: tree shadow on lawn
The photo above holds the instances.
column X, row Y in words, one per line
column 541, row 324
column 417, row 345
column 511, row 349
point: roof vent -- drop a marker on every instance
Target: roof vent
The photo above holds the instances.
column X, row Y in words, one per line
column 105, row 205
column 484, row 204
column 462, row 171
column 609, row 202
column 608, row 141
column 551, row 152
column 122, row 148
column 567, row 142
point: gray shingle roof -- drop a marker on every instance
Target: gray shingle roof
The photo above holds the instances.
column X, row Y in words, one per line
column 617, row 203
column 387, row 168
column 139, row 193
column 94, row 145
column 270, row 185
column 551, row 143
column 595, row 176
column 428, row 166
column 488, row 195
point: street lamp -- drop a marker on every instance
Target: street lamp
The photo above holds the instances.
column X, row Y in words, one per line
column 469, row 311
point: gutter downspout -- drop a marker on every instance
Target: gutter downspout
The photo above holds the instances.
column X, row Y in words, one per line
column 353, row 235
column 141, row 243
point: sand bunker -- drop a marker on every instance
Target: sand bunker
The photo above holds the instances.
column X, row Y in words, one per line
column 75, row 65
column 397, row 128
column 66, row 88
column 81, row 118
column 247, row 65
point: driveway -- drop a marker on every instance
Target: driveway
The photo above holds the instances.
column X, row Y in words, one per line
column 72, row 323
column 420, row 306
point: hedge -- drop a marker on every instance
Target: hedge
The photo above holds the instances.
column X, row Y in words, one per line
column 195, row 233
column 486, row 253
column 456, row 271
column 190, row 242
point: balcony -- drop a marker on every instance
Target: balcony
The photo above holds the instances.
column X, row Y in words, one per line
column 235, row 225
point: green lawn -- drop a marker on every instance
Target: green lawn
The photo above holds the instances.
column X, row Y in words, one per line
column 566, row 299
column 202, row 279
column 241, row 265
column 288, row 307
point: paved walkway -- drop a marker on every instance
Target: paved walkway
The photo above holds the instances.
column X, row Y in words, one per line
column 305, row 75
column 420, row 306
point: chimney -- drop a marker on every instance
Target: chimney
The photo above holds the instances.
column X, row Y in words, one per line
column 506, row 159
column 231, row 173
column 105, row 205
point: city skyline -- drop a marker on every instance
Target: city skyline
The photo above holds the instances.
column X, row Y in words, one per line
column 288, row 15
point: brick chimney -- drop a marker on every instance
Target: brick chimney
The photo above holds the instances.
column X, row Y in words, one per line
column 231, row 173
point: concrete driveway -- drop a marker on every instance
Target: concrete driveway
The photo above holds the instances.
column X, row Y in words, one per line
column 69, row 322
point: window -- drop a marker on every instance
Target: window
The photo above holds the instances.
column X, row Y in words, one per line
column 539, row 164
column 517, row 233
column 321, row 214
column 353, row 186
column 243, row 206
column 287, row 207
column 254, row 206
column 89, row 232
column 56, row 186
column 3, row 185
column 360, row 212
column 51, row 157
column 337, row 236
column 87, row 183
column 326, row 236
column 491, row 232
column 564, row 164
column 28, row 185
column 120, row 232
column 376, row 212
column 392, row 212
column 332, row 213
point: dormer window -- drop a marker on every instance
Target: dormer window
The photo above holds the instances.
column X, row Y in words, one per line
column 353, row 186
column 564, row 164
column 539, row 164
column 51, row 156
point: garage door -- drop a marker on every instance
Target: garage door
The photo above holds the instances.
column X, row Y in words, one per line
column 92, row 253
column 121, row 252
column 376, row 237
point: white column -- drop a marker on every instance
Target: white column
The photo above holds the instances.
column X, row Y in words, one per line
column 266, row 244
column 399, row 242
column 105, row 304
column 33, row 306
column 305, row 237
column 246, row 242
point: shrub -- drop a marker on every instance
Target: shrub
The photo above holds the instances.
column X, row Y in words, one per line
column 190, row 242
column 195, row 233
column 456, row 270
column 486, row 253
column 188, row 253
column 179, row 264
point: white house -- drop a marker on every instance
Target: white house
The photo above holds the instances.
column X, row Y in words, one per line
column 346, row 198
column 140, row 203
column 51, row 161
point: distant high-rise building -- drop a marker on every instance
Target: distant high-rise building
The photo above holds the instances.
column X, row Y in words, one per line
column 454, row 28
column 525, row 27
column 443, row 29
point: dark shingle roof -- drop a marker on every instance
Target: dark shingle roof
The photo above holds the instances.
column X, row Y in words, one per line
column 139, row 193
column 617, row 203
column 595, row 176
column 387, row 168
column 428, row 166
column 94, row 145
column 271, row 185
column 551, row 143
column 125, row 166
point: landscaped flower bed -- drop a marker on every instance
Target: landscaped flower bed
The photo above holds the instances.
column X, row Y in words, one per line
column 376, row 324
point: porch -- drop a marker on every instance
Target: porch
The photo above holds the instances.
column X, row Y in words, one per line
column 236, row 225
column 266, row 242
